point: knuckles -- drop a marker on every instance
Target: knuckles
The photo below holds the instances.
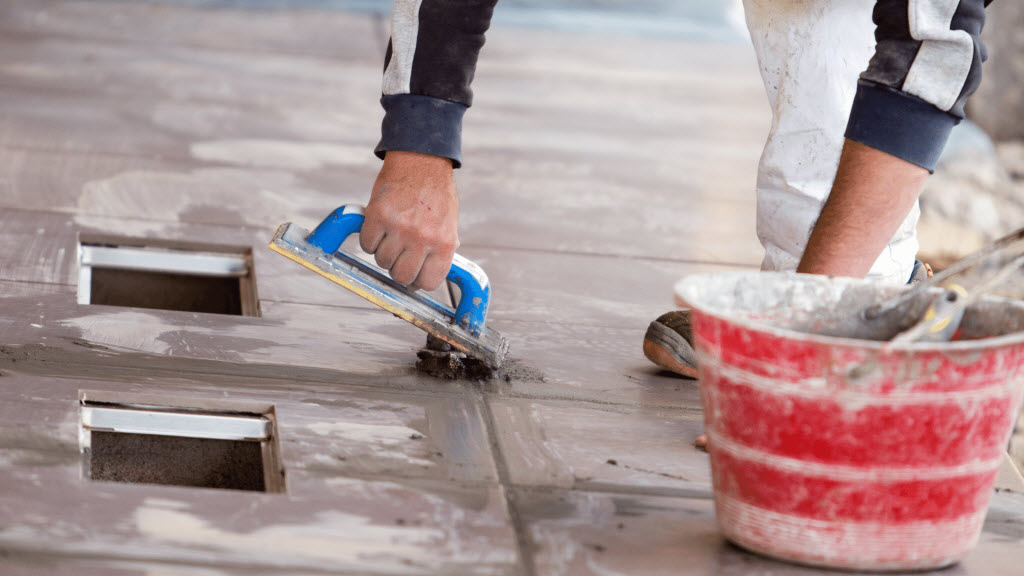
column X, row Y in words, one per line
column 408, row 232
column 403, row 279
column 446, row 248
column 428, row 286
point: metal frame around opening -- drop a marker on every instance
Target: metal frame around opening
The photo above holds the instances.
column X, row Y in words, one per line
column 168, row 261
column 187, row 423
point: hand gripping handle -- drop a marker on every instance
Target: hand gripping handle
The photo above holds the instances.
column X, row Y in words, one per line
column 475, row 290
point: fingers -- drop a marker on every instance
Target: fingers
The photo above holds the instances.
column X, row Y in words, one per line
column 433, row 272
column 411, row 220
column 406, row 268
column 388, row 251
column 412, row 265
column 371, row 235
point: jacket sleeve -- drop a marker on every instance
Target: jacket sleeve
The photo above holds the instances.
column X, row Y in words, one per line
column 428, row 69
column 927, row 62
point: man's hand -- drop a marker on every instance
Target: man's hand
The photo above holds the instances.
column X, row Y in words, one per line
column 412, row 219
column 872, row 195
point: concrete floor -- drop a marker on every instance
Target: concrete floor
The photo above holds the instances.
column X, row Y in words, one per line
column 598, row 171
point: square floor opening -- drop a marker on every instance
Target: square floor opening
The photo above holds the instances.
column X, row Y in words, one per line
column 149, row 444
column 137, row 274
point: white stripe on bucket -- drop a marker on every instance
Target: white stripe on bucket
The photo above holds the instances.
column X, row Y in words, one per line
column 846, row 473
column 848, row 544
column 814, row 388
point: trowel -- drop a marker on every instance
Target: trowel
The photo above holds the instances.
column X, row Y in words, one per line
column 462, row 328
column 990, row 267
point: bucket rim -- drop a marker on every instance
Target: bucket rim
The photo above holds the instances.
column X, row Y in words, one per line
column 685, row 288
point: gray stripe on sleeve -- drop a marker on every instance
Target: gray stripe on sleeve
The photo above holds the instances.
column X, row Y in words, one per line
column 944, row 59
column 405, row 25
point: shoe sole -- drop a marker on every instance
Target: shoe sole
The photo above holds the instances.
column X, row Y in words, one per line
column 660, row 345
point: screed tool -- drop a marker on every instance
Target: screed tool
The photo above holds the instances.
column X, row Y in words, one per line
column 462, row 328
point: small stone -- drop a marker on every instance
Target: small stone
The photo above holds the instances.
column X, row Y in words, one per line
column 701, row 443
column 613, row 462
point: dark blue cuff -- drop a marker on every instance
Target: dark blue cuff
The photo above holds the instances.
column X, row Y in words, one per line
column 414, row 123
column 899, row 124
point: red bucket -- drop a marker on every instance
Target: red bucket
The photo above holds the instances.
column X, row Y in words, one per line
column 849, row 453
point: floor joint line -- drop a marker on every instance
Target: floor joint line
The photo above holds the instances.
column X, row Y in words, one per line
column 524, row 542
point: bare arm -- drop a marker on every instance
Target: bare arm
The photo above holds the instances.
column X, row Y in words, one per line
column 927, row 62
column 872, row 194
column 412, row 217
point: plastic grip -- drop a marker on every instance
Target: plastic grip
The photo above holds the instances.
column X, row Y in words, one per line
column 474, row 287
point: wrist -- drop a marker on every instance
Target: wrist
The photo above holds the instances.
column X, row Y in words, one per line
column 402, row 158
column 416, row 175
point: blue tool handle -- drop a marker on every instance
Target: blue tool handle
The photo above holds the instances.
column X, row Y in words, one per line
column 474, row 287
column 339, row 225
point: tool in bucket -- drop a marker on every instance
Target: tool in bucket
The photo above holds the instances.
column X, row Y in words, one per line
column 918, row 318
column 463, row 328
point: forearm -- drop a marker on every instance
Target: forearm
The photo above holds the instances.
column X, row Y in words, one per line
column 872, row 194
column 927, row 62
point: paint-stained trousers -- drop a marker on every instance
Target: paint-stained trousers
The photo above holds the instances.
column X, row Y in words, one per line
column 811, row 53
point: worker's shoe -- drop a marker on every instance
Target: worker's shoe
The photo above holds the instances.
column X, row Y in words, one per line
column 920, row 273
column 669, row 343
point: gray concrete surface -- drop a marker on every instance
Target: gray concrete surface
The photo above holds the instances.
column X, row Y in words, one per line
column 600, row 168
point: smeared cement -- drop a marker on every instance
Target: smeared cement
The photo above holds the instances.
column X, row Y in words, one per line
column 283, row 154
column 383, row 439
column 302, row 336
column 268, row 195
column 331, row 536
column 29, row 448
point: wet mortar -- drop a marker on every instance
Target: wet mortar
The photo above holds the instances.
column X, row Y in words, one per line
column 459, row 366
column 440, row 360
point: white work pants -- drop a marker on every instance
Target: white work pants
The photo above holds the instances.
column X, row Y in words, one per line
column 810, row 53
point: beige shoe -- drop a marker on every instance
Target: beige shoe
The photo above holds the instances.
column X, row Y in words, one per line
column 668, row 343
column 920, row 273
